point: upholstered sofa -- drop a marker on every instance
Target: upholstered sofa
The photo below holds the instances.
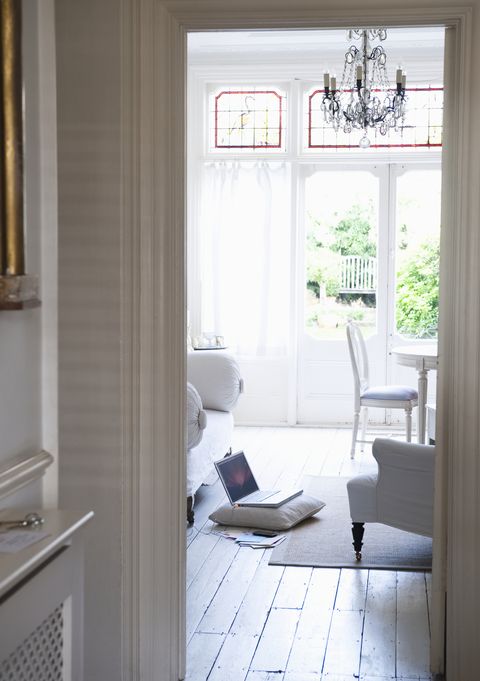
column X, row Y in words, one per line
column 213, row 388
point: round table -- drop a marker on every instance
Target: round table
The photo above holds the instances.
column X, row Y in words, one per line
column 422, row 358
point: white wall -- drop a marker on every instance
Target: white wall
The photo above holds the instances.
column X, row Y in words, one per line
column 88, row 71
column 25, row 334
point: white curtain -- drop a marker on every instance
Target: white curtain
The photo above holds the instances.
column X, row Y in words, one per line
column 244, row 235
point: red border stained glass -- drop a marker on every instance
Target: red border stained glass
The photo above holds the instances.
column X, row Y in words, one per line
column 425, row 108
column 248, row 119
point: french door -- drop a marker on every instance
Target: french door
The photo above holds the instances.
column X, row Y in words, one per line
column 367, row 249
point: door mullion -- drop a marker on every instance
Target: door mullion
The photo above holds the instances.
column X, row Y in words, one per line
column 393, row 169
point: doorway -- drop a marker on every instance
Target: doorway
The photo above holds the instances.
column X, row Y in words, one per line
column 368, row 280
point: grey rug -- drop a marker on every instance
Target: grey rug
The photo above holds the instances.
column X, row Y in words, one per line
column 326, row 539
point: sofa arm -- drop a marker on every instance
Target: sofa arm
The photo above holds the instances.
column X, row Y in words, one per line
column 216, row 376
column 196, row 417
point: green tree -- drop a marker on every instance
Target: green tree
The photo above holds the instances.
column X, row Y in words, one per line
column 322, row 269
column 417, row 291
column 352, row 234
column 326, row 243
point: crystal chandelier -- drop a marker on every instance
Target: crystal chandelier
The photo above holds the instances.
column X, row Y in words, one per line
column 365, row 99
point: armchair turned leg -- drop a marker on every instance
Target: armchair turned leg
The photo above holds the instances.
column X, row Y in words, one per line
column 190, row 513
column 357, row 533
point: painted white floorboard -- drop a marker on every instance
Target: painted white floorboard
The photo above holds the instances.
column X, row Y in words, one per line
column 379, row 632
column 233, row 662
column 206, row 583
column 308, row 649
column 293, row 587
column 240, row 644
column 258, row 600
column 352, row 590
column 413, row 642
column 198, row 553
column 344, row 643
column 277, row 637
column 201, row 654
column 229, row 596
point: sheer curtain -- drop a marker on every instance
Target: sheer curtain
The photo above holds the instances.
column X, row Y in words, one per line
column 244, row 234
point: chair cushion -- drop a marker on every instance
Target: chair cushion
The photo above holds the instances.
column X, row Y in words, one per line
column 281, row 518
column 390, row 392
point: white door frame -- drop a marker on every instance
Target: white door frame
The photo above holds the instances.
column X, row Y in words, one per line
column 154, row 33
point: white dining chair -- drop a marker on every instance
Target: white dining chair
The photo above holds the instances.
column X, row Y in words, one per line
column 365, row 396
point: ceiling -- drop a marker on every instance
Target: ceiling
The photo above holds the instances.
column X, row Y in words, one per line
column 304, row 53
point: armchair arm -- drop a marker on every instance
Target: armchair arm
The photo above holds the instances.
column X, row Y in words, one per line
column 405, row 485
column 216, row 376
column 404, row 455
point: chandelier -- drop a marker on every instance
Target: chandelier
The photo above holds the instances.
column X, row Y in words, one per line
column 365, row 99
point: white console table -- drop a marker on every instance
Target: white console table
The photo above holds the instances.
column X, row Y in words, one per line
column 41, row 602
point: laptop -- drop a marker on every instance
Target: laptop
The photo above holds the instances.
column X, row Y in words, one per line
column 241, row 486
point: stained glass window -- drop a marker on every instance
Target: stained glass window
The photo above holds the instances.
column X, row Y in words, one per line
column 247, row 119
column 422, row 128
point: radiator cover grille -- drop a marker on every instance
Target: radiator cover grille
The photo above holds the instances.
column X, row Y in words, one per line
column 40, row 656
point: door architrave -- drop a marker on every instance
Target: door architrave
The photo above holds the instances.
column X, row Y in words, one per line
column 154, row 34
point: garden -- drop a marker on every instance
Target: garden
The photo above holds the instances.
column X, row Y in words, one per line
column 329, row 303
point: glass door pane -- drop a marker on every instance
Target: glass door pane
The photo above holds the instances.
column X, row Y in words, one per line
column 342, row 277
column 417, row 252
column 341, row 209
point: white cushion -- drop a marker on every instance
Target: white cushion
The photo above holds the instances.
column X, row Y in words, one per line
column 216, row 376
column 390, row 392
column 281, row 518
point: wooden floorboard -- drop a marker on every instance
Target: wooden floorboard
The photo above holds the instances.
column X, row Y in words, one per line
column 249, row 621
column 378, row 655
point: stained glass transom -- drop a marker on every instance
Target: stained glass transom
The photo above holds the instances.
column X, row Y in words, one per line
column 423, row 124
column 247, row 119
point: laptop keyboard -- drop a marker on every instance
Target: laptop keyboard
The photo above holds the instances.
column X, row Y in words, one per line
column 260, row 496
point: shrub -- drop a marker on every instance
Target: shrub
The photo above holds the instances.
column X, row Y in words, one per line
column 417, row 291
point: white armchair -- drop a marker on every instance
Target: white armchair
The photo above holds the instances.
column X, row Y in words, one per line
column 399, row 495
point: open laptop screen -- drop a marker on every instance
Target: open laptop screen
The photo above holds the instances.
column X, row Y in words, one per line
column 237, row 476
